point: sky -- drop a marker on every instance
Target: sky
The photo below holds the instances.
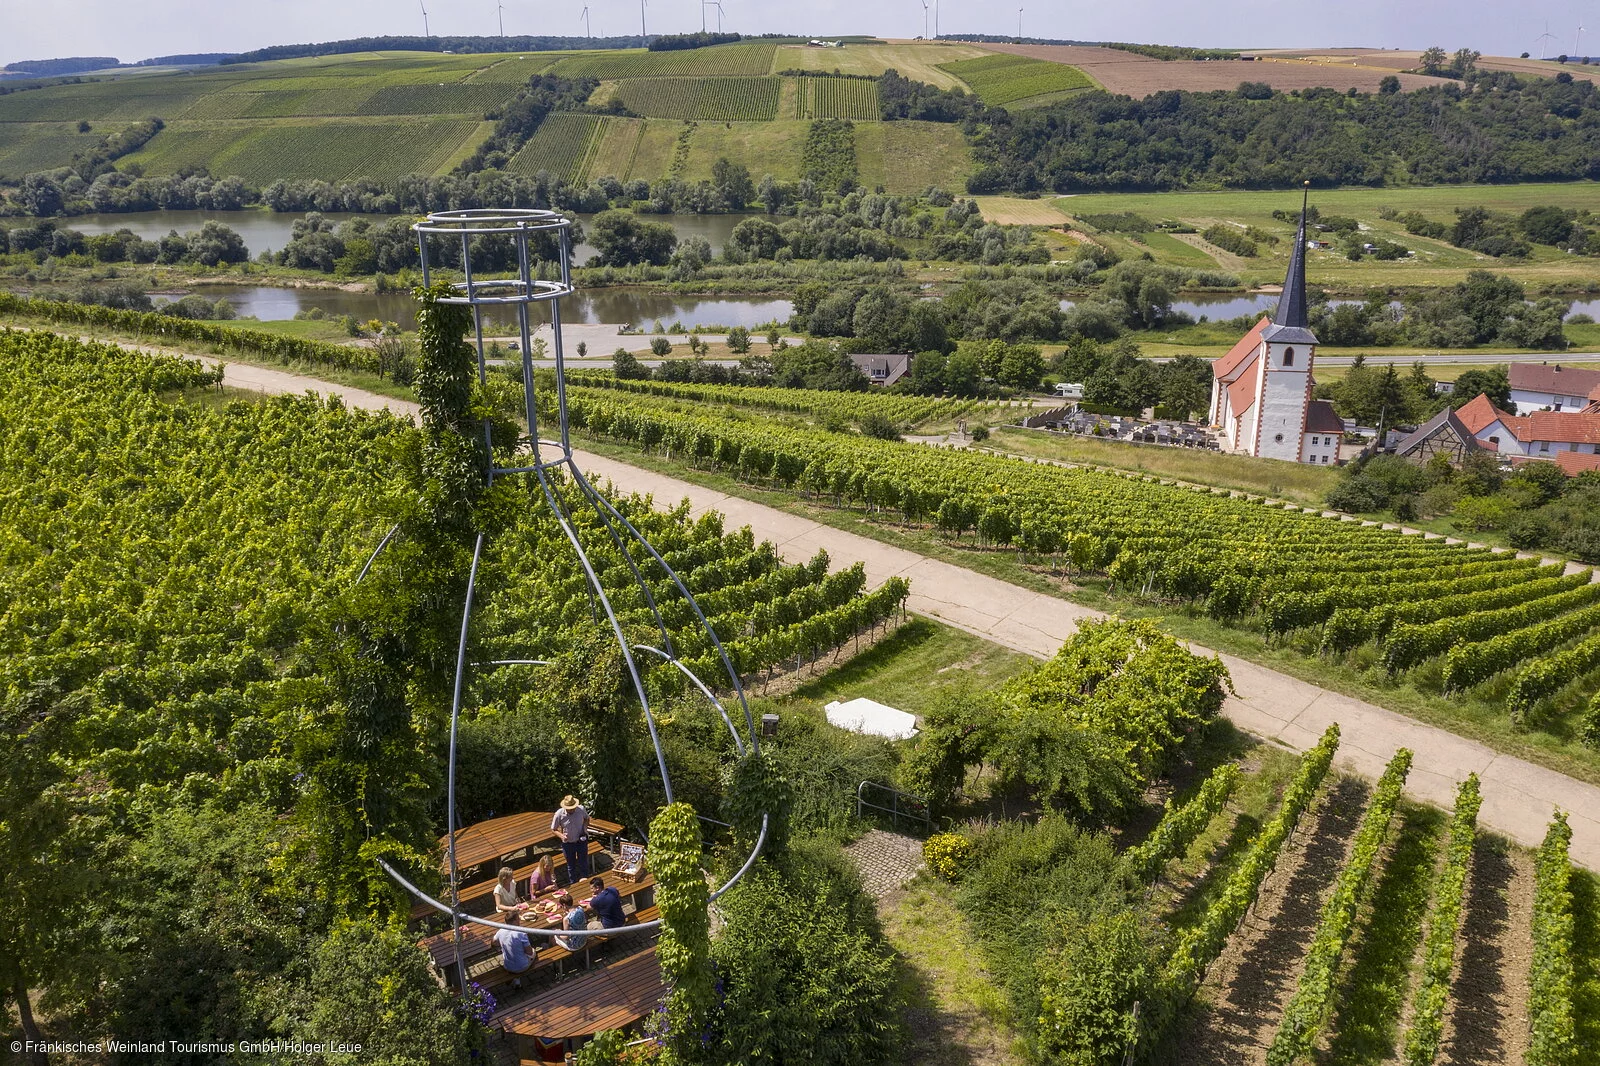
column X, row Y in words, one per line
column 137, row 29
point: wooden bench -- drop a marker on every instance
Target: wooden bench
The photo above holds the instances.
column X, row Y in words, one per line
column 489, row 974
column 483, row 889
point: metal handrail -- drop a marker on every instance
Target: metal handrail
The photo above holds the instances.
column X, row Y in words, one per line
column 924, row 816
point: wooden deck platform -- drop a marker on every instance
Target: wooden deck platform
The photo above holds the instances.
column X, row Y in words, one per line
column 606, row 998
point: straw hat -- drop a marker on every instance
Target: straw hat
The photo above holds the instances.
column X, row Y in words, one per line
column 569, row 802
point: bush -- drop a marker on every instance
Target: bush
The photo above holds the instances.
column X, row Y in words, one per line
column 1230, row 239
column 660, row 346
column 947, row 855
column 879, row 426
column 738, row 340
column 980, row 434
column 1106, row 965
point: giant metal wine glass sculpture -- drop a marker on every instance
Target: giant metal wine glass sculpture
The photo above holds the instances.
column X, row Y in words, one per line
column 545, row 459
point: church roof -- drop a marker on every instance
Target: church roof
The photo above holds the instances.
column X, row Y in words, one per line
column 1241, row 394
column 1292, row 304
column 1240, row 353
column 1288, row 334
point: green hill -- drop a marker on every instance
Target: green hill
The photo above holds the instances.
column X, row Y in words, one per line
column 382, row 115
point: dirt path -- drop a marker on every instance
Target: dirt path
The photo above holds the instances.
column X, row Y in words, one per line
column 1486, row 1023
column 1245, row 992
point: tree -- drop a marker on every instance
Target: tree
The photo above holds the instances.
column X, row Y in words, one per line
column 1021, row 367
column 626, row 366
column 1483, row 381
column 622, row 238
column 733, row 184
column 1463, row 61
column 1388, row 85
column 738, row 340
column 1433, row 60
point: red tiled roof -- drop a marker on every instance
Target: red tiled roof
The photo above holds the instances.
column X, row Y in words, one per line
column 1241, row 394
column 1567, row 427
column 1554, row 378
column 1241, row 351
column 1478, row 414
column 1574, row 463
column 1322, row 418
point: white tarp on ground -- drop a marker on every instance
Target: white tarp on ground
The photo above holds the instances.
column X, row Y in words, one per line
column 869, row 716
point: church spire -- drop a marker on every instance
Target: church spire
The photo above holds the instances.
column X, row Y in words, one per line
column 1292, row 304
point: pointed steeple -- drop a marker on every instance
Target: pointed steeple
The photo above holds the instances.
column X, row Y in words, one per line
column 1292, row 304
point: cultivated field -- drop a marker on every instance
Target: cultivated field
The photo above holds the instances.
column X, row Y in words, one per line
column 1129, row 74
column 919, row 61
column 734, row 99
column 851, row 98
column 1002, row 80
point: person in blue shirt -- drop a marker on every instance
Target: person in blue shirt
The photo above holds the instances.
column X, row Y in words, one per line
column 606, row 904
column 516, row 954
column 577, row 917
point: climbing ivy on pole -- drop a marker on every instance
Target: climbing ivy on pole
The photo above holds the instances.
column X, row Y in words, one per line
column 685, row 945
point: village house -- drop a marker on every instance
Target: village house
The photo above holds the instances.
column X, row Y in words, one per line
column 1538, row 386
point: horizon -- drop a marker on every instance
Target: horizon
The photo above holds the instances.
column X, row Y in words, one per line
column 134, row 32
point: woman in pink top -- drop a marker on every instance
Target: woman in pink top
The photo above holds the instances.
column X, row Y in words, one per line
column 543, row 878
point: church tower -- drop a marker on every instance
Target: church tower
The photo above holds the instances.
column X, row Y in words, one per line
column 1284, row 367
column 1261, row 390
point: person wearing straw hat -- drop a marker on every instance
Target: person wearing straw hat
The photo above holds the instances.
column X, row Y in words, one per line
column 571, row 824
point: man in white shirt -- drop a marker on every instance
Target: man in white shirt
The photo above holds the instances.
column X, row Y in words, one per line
column 571, row 824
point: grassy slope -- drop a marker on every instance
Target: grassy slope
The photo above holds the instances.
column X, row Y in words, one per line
column 1289, row 481
column 1436, row 262
column 907, row 157
column 920, row 62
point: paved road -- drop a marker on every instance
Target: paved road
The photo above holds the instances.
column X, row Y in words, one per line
column 1518, row 796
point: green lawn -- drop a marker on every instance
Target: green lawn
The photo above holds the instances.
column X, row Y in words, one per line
column 909, row 669
column 1295, row 482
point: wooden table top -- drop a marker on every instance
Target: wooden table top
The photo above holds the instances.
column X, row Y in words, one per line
column 607, row 998
column 485, row 841
column 478, row 940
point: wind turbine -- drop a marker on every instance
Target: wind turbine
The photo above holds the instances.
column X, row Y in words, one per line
column 643, row 35
column 718, row 5
column 424, row 7
column 924, row 20
column 501, row 9
column 1019, row 25
column 1576, row 42
column 1544, row 39
column 936, row 18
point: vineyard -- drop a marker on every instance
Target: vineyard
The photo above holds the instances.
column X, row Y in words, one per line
column 745, row 59
column 905, row 411
column 560, row 145
column 291, row 491
column 849, row 98
column 725, row 99
column 1458, row 619
column 1006, row 79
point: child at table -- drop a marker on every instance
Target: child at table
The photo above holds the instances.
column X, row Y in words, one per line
column 577, row 917
column 543, row 878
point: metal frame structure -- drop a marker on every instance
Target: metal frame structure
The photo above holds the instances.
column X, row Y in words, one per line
column 543, row 457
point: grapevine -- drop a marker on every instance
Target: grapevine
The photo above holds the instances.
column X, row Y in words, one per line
column 1439, row 951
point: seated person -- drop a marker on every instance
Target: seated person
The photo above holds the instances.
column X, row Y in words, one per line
column 505, row 892
column 516, row 954
column 577, row 917
column 606, row 904
column 543, row 878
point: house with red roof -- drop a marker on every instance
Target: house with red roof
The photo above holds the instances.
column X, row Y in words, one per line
column 1552, row 387
column 1261, row 401
column 1571, row 438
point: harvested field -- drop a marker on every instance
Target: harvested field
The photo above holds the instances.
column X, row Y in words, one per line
column 1390, row 60
column 1012, row 211
column 1128, row 74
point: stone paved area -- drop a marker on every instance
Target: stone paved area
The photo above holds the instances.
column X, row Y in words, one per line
column 886, row 860
column 1518, row 796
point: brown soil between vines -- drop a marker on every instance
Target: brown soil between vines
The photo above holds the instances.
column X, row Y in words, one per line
column 1244, row 994
column 1486, row 1023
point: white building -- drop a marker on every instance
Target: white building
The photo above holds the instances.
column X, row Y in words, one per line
column 1541, row 386
column 1261, row 390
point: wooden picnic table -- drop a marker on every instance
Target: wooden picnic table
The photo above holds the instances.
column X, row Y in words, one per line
column 478, row 940
column 607, row 998
column 499, row 837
